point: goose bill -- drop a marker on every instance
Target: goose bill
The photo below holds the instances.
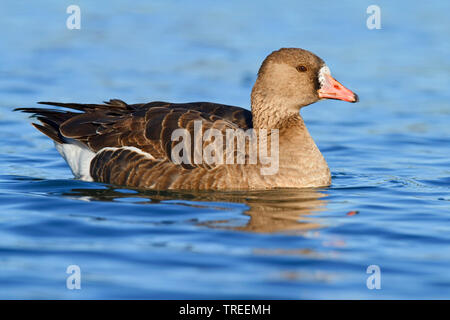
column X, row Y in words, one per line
column 332, row 89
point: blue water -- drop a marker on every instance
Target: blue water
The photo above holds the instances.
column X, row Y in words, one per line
column 389, row 154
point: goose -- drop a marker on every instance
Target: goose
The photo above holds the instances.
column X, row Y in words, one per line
column 133, row 144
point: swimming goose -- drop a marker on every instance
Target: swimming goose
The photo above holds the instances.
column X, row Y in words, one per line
column 138, row 145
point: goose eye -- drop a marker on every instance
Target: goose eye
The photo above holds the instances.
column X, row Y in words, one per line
column 301, row 68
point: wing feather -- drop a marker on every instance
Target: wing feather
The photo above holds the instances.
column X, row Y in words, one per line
column 147, row 127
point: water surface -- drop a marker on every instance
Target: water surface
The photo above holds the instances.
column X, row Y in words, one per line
column 389, row 155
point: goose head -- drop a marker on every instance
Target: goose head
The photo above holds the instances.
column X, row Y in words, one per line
column 291, row 78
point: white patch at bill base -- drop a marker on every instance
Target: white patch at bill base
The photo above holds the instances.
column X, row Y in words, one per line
column 322, row 72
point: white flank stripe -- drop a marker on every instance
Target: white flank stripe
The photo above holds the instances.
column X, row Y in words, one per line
column 134, row 149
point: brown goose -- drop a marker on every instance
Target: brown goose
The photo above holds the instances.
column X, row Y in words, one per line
column 133, row 144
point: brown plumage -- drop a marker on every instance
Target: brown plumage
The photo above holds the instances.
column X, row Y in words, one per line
column 131, row 144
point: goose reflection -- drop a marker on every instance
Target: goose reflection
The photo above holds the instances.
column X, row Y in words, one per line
column 281, row 210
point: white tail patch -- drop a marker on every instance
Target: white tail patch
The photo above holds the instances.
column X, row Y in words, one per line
column 78, row 156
